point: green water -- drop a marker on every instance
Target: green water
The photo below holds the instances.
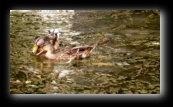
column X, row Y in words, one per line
column 126, row 60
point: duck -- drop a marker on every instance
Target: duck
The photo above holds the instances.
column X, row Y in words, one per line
column 64, row 54
column 51, row 38
column 39, row 42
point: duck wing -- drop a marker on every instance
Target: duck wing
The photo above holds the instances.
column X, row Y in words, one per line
column 82, row 48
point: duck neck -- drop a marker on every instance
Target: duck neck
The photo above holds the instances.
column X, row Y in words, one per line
column 50, row 55
column 56, row 45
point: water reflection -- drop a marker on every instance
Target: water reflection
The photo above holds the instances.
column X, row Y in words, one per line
column 43, row 67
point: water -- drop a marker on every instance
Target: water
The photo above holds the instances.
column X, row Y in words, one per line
column 126, row 60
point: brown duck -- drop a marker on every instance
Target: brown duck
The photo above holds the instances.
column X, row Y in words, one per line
column 46, row 45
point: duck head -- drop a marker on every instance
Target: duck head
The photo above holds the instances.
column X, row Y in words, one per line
column 53, row 34
column 54, row 37
column 39, row 42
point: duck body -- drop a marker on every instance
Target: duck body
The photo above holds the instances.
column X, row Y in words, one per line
column 49, row 48
column 74, row 53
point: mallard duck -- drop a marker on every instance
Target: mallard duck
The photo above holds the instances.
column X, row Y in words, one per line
column 39, row 43
column 51, row 38
column 67, row 53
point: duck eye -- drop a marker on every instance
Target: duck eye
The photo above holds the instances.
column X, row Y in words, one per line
column 37, row 40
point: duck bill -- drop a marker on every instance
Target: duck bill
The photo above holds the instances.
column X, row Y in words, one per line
column 34, row 49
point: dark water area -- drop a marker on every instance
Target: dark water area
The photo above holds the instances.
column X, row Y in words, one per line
column 126, row 60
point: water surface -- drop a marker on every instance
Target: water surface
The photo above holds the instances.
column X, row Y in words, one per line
column 126, row 60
